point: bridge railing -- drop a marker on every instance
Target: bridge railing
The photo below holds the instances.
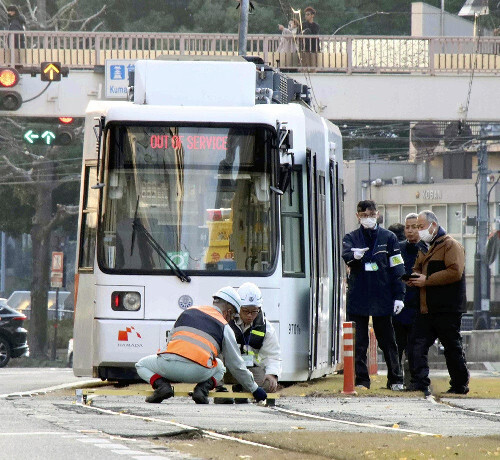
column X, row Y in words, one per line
column 326, row 53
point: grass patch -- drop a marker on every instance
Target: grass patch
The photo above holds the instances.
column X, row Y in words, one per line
column 332, row 385
column 321, row 445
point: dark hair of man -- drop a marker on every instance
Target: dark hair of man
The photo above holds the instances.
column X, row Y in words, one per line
column 366, row 204
column 310, row 9
column 13, row 8
column 398, row 230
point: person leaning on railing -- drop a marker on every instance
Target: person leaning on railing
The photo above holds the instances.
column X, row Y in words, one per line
column 16, row 22
column 311, row 45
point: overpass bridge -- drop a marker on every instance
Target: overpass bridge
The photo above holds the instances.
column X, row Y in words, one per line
column 352, row 77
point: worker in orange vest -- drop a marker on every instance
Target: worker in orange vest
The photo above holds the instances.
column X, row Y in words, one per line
column 198, row 337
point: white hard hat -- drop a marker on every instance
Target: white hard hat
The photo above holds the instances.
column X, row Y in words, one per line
column 230, row 295
column 250, row 295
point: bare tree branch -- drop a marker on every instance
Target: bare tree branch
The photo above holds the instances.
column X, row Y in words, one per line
column 102, row 10
column 21, row 174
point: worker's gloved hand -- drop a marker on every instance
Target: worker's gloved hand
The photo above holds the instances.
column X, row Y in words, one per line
column 359, row 252
column 398, row 306
column 259, row 394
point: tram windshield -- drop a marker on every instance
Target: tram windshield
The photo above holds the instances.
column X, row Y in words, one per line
column 188, row 199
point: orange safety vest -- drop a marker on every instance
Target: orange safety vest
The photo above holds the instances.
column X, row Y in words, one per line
column 197, row 335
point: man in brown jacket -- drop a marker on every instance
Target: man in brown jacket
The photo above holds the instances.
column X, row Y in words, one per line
column 441, row 280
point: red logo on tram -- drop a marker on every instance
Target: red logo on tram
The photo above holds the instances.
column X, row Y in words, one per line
column 123, row 335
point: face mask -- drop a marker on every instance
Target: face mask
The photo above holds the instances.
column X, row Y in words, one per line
column 368, row 222
column 425, row 235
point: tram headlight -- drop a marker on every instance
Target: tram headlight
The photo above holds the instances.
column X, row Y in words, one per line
column 125, row 301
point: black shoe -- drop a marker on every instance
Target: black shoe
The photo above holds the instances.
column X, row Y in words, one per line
column 200, row 392
column 425, row 390
column 222, row 389
column 163, row 390
column 458, row 391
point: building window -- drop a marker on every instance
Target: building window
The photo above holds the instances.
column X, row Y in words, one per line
column 457, row 166
column 292, row 227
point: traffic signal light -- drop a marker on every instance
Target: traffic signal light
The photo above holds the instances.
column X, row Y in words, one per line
column 9, row 100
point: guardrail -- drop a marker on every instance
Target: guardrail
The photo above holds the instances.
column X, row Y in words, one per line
column 347, row 54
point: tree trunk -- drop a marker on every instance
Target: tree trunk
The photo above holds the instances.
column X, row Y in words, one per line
column 41, row 13
column 40, row 239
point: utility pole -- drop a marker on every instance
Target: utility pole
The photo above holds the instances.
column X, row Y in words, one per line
column 243, row 30
column 481, row 275
column 489, row 132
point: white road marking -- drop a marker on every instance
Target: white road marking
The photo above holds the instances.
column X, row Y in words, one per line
column 345, row 422
column 127, row 451
column 64, row 386
column 109, row 446
column 207, row 433
column 94, row 440
column 33, row 433
column 150, row 457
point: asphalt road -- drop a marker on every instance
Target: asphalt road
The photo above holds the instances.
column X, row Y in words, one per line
column 52, row 426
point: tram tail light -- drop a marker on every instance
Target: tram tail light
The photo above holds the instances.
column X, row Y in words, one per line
column 125, row 301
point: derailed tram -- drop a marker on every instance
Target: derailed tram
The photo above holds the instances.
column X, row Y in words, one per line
column 214, row 174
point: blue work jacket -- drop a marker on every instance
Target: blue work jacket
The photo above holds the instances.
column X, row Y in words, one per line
column 373, row 292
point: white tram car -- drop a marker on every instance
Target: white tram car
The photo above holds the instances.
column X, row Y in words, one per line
column 213, row 174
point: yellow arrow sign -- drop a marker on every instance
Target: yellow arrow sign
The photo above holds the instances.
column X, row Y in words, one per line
column 51, row 71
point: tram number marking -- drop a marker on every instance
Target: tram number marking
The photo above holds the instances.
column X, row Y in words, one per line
column 293, row 329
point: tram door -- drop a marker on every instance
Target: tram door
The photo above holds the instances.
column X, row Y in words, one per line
column 337, row 229
column 320, row 314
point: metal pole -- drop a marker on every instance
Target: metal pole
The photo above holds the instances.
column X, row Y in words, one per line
column 242, row 36
column 442, row 18
column 56, row 324
column 2, row 266
column 481, row 278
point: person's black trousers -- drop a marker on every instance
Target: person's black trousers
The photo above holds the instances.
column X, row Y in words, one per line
column 426, row 329
column 384, row 332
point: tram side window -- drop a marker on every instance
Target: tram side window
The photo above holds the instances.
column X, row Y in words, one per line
column 292, row 227
column 88, row 230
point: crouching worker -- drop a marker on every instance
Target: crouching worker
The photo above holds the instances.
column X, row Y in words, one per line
column 258, row 343
column 198, row 337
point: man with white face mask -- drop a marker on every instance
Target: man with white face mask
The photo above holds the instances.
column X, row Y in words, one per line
column 441, row 280
column 374, row 289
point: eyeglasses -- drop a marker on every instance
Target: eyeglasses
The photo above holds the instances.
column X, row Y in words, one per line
column 308, row 14
column 367, row 214
column 250, row 312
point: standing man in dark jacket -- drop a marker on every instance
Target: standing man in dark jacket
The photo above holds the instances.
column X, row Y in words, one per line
column 441, row 282
column 16, row 22
column 311, row 45
column 404, row 321
column 374, row 289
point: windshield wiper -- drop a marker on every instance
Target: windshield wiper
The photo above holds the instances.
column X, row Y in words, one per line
column 150, row 240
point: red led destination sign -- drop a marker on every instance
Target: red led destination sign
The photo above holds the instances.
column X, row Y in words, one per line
column 199, row 142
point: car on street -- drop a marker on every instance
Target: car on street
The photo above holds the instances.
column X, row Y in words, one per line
column 13, row 336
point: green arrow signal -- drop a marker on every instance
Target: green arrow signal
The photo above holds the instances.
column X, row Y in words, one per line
column 49, row 136
column 31, row 137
